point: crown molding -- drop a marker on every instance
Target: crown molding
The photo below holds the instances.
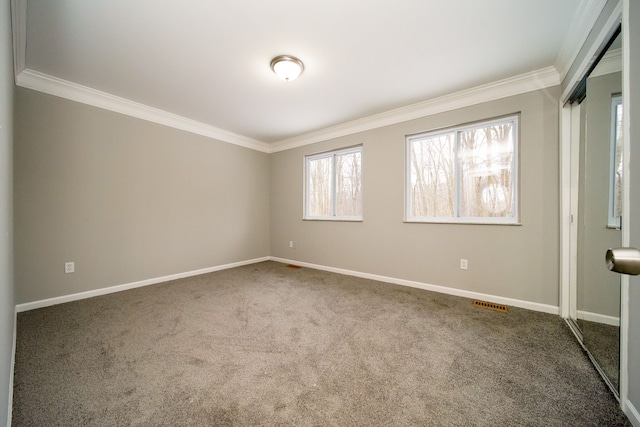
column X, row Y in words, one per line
column 583, row 21
column 516, row 85
column 522, row 83
column 41, row 82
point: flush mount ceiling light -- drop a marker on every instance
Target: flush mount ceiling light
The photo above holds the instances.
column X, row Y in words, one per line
column 287, row 67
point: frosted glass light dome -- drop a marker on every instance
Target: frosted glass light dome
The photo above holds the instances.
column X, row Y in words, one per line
column 287, row 67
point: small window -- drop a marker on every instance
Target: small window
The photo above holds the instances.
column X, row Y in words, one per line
column 333, row 185
column 615, row 177
column 466, row 174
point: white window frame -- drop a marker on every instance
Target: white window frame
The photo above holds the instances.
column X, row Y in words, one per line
column 613, row 221
column 456, row 219
column 307, row 202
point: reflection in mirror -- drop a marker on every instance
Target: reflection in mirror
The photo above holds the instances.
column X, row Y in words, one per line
column 599, row 210
column 615, row 175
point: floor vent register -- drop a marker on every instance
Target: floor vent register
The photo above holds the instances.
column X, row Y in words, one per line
column 491, row 306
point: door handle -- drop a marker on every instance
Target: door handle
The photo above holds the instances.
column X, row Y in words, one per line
column 623, row 260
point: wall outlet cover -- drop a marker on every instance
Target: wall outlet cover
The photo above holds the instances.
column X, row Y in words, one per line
column 69, row 267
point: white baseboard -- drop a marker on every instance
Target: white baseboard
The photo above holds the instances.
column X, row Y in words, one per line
column 598, row 318
column 545, row 308
column 632, row 413
column 104, row 291
column 435, row 288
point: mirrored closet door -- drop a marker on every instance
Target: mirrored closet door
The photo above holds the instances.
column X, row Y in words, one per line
column 599, row 183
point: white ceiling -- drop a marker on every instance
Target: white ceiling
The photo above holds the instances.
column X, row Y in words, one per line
column 208, row 60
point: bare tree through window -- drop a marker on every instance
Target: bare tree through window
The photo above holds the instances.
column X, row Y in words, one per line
column 464, row 173
column 348, row 184
column 320, row 191
column 432, row 177
column 615, row 198
column 486, row 156
column 334, row 185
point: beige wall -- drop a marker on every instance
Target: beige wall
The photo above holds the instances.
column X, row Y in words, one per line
column 126, row 200
column 519, row 262
column 129, row 200
column 6, row 211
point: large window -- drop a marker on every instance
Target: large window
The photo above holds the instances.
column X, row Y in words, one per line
column 466, row 174
column 615, row 184
column 333, row 185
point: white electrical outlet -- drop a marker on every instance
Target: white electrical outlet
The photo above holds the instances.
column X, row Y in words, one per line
column 464, row 264
column 291, row 245
column 69, row 267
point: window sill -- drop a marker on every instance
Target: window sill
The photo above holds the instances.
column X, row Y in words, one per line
column 413, row 221
column 334, row 219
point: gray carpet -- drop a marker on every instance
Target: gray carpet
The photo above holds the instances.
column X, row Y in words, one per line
column 603, row 341
column 269, row 345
